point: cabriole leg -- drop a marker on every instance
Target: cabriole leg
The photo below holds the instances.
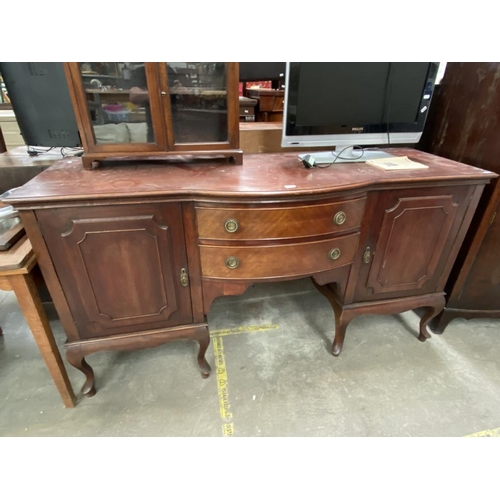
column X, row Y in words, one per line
column 76, row 358
column 434, row 310
column 202, row 336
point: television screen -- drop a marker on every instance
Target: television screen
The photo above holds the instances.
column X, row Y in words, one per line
column 40, row 99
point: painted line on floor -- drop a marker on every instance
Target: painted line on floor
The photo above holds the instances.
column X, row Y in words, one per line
column 243, row 329
column 221, row 372
column 494, row 433
column 222, row 387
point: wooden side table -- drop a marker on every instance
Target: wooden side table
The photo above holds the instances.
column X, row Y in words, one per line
column 16, row 273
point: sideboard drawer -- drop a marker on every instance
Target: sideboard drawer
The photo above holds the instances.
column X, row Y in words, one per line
column 273, row 261
column 276, row 223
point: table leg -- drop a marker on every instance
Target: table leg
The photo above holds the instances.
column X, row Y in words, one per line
column 31, row 306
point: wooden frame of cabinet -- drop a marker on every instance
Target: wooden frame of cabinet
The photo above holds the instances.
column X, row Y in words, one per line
column 164, row 145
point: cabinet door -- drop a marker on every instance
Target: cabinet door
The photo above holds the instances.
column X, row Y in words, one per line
column 410, row 241
column 118, row 106
column 201, row 105
column 120, row 266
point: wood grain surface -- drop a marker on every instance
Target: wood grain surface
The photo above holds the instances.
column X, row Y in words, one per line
column 261, row 176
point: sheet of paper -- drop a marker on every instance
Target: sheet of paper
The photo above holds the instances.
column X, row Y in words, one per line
column 396, row 163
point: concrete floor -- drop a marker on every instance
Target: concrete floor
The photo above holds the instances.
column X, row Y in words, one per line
column 279, row 378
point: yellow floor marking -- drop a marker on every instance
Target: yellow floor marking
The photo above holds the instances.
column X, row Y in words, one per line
column 221, row 372
column 243, row 329
column 493, row 433
column 222, row 386
column 227, row 429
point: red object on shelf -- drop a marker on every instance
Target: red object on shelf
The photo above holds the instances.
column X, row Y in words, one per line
column 261, row 85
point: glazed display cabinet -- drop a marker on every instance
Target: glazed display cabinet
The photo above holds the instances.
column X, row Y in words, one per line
column 181, row 110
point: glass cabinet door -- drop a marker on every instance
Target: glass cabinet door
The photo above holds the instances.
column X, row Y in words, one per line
column 119, row 100
column 133, row 109
column 198, row 94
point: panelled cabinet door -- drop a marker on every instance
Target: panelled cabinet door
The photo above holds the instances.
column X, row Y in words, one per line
column 119, row 106
column 410, row 241
column 120, row 266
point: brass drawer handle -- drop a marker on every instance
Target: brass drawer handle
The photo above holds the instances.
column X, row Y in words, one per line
column 340, row 218
column 231, row 225
column 334, row 253
column 232, row 262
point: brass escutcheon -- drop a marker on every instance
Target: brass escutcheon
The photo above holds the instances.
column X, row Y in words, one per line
column 184, row 278
column 367, row 255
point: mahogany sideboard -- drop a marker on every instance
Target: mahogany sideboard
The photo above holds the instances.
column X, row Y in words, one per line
column 134, row 255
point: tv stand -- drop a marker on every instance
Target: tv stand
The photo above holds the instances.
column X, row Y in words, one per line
column 134, row 256
column 347, row 155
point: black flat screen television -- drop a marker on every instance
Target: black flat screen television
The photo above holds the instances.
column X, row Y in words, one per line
column 330, row 104
column 40, row 99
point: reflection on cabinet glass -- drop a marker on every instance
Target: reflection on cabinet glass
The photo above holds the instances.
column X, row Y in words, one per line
column 118, row 102
column 156, row 109
column 198, row 101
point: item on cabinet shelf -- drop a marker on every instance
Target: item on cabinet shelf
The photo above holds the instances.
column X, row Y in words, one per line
column 458, row 128
column 374, row 242
column 179, row 109
column 396, row 163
